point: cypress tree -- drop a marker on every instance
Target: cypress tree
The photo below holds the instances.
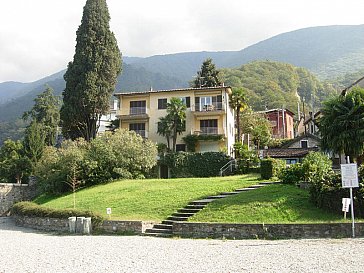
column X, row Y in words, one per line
column 92, row 76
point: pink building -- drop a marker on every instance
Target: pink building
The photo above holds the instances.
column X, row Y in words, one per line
column 281, row 121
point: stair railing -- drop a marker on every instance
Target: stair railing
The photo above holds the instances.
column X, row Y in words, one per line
column 232, row 164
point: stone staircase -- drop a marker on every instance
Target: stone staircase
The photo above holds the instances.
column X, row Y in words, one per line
column 164, row 229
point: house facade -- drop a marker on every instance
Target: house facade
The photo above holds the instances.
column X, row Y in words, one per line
column 208, row 114
column 282, row 123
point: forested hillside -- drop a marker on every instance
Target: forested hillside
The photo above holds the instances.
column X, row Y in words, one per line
column 275, row 85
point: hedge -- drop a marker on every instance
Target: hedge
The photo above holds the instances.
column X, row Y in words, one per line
column 34, row 210
column 271, row 167
column 184, row 164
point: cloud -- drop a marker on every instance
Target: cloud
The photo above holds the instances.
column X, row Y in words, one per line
column 37, row 37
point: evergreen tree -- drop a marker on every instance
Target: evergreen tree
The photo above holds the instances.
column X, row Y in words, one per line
column 208, row 76
column 91, row 77
column 45, row 112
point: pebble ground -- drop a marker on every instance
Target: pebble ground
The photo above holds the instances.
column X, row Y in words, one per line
column 25, row 250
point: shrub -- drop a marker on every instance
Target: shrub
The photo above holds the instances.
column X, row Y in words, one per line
column 184, row 164
column 316, row 167
column 246, row 158
column 34, row 210
column 123, row 154
column 271, row 167
column 292, row 174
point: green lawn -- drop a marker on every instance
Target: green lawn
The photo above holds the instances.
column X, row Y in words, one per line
column 150, row 199
column 272, row 204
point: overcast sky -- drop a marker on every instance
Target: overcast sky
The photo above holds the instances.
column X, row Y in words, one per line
column 37, row 37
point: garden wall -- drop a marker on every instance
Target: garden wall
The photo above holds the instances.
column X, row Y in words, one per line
column 12, row 193
column 268, row 231
column 62, row 225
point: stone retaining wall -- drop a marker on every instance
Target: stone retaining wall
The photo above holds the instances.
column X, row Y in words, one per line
column 268, row 231
column 62, row 225
column 12, row 193
column 44, row 224
column 136, row 227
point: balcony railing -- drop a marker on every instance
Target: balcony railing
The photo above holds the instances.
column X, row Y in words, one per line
column 138, row 110
column 209, row 130
column 215, row 106
column 142, row 133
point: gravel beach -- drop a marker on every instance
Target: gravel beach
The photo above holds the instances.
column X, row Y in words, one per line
column 25, row 250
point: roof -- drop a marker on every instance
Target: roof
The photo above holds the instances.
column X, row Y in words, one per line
column 171, row 90
column 276, row 110
column 288, row 152
column 304, row 136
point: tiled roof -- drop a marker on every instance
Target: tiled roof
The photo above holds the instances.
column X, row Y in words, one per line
column 288, row 152
column 171, row 90
column 275, row 110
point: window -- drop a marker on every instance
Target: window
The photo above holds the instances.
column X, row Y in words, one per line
column 180, row 147
column 304, row 143
column 162, row 103
column 138, row 107
column 139, row 128
column 209, row 126
column 186, row 101
column 205, row 102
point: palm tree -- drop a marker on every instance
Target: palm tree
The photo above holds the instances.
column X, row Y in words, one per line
column 342, row 124
column 164, row 129
column 176, row 113
column 238, row 101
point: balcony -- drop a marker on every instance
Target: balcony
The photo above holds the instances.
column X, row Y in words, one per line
column 138, row 110
column 135, row 113
column 215, row 108
column 209, row 130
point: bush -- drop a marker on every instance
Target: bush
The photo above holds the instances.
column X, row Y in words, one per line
column 292, row 174
column 34, row 210
column 120, row 155
column 271, row 167
column 184, row 164
column 246, row 158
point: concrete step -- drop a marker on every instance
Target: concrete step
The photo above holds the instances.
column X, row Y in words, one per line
column 167, row 222
column 188, row 210
column 217, row 196
column 201, row 202
column 257, row 186
column 183, row 214
column 244, row 189
column 179, row 219
column 162, row 226
column 229, row 193
column 158, row 230
column 162, row 235
column 270, row 182
column 195, row 206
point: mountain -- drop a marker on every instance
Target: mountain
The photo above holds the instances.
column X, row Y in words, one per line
column 328, row 52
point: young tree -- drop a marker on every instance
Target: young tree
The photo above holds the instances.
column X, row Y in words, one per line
column 91, row 77
column 46, row 113
column 208, row 76
column 238, row 101
column 34, row 141
column 342, row 124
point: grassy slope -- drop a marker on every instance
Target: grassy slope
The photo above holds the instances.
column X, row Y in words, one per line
column 272, row 204
column 152, row 199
